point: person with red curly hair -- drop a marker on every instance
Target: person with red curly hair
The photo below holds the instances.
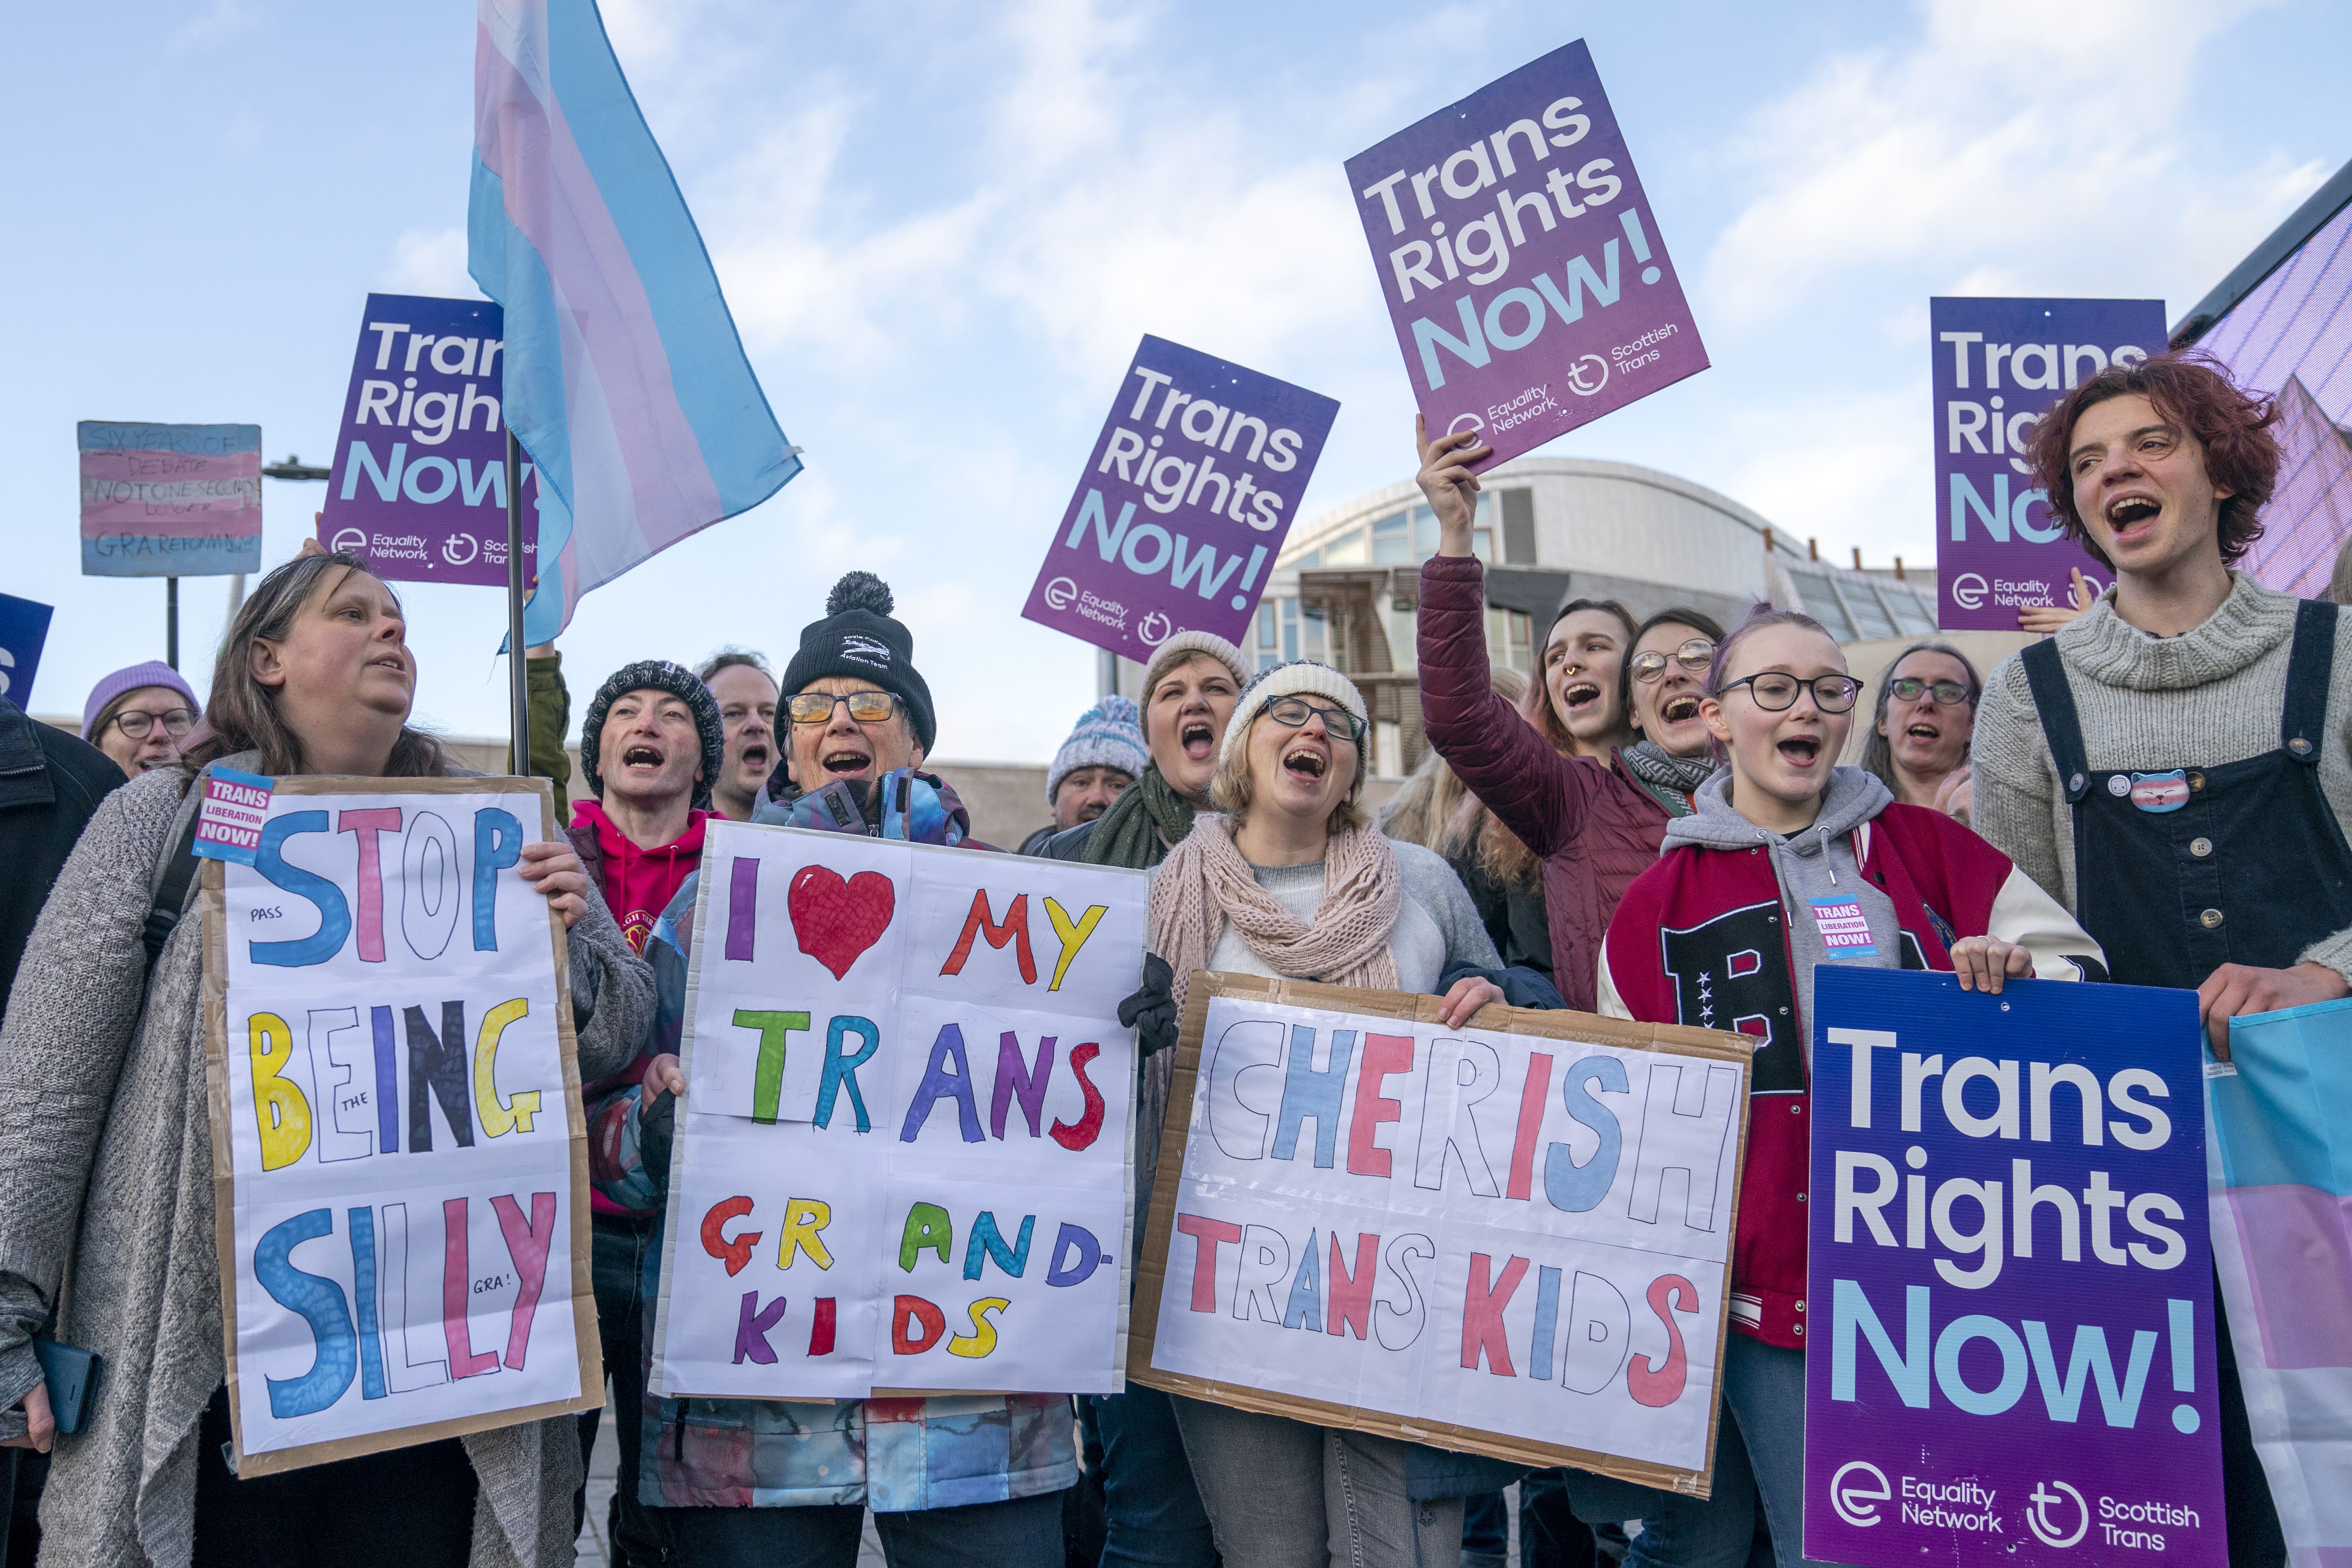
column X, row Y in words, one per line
column 2177, row 763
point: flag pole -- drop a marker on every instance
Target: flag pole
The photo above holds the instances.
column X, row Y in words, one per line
column 518, row 748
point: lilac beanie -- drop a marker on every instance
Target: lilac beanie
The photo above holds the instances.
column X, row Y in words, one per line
column 155, row 672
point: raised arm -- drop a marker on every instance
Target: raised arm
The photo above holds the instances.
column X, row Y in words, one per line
column 1537, row 793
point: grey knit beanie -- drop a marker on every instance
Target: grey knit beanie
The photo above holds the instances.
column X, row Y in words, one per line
column 657, row 675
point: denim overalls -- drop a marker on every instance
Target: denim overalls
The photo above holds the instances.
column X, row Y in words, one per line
column 2178, row 873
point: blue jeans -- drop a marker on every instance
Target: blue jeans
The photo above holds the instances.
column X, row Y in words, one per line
column 1285, row 1494
column 1486, row 1531
column 1025, row 1533
column 1153, row 1511
column 1759, row 1462
column 617, row 1260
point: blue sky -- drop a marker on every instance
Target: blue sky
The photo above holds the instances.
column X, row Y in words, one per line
column 943, row 228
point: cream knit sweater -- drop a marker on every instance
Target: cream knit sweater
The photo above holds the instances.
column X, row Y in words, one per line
column 2206, row 698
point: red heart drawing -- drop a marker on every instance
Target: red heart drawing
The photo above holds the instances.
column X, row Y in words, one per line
column 837, row 921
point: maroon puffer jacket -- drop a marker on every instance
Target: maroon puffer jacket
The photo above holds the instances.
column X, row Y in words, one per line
column 1595, row 829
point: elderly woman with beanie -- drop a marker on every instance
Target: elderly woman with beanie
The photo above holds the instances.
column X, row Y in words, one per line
column 107, row 1218
column 1295, row 880
column 1095, row 766
column 967, row 1479
column 139, row 715
column 1189, row 691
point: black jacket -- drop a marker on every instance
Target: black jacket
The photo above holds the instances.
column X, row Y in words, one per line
column 50, row 783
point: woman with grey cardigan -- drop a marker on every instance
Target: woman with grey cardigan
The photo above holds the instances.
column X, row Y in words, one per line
column 106, row 1163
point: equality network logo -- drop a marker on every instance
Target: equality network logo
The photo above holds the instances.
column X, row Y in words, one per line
column 1856, row 1490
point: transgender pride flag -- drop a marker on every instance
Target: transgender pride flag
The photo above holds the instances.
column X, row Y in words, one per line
column 2282, row 1213
column 625, row 378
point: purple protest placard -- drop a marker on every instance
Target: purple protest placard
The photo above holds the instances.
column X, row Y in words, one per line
column 1523, row 269
column 2009, row 1287
column 1998, row 364
column 1216, row 457
column 418, row 489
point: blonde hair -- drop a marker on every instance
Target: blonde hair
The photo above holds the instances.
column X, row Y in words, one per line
column 1230, row 791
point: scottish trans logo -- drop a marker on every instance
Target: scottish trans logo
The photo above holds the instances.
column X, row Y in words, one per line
column 2054, row 1511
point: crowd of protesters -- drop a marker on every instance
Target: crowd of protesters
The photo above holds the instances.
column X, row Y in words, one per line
column 1995, row 827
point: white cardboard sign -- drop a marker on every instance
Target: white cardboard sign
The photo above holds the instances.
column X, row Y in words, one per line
column 399, row 1156
column 903, row 1158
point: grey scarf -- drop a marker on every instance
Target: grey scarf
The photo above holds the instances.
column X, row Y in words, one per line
column 1671, row 780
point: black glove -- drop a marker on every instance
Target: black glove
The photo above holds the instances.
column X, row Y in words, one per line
column 1152, row 1010
column 656, row 1124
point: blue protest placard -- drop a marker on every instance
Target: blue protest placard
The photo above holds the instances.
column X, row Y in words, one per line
column 2010, row 1277
column 23, row 629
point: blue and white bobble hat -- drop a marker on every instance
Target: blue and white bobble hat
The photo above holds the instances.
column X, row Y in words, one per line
column 1299, row 677
column 1107, row 735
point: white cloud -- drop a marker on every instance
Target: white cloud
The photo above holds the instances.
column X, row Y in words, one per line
column 222, row 19
column 2010, row 143
column 429, row 261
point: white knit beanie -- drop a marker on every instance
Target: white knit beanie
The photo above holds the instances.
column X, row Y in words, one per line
column 1185, row 644
column 1108, row 735
column 1300, row 678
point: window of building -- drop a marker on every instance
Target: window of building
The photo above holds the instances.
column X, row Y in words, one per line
column 1911, row 613
column 1265, row 625
column 1289, row 629
column 1393, row 539
column 1820, row 602
column 1870, row 616
column 1348, row 550
column 1307, row 563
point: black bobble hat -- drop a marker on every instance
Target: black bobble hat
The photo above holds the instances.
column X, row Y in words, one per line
column 858, row 638
column 657, row 675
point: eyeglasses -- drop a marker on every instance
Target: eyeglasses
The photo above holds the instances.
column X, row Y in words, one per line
column 1293, row 711
column 136, row 723
column 1694, row 656
column 866, row 707
column 1946, row 693
column 1777, row 693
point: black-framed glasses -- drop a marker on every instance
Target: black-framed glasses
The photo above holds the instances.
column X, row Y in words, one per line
column 176, row 722
column 1777, row 693
column 1694, row 656
column 1293, row 711
column 866, row 707
column 1946, row 693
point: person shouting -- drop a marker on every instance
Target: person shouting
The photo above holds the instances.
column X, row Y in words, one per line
column 107, row 1217
column 649, row 744
column 745, row 690
column 949, row 1481
column 140, row 716
column 2176, row 762
column 1294, row 879
column 1189, row 691
column 1918, row 742
column 1579, row 704
column 1594, row 827
column 1732, row 923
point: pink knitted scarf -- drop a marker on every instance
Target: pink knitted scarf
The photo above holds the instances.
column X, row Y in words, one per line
column 1204, row 884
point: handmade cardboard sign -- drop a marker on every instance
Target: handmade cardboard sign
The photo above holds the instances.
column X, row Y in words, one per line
column 1998, row 364
column 1513, row 1238
column 1523, row 266
column 418, row 489
column 399, row 1160
column 1187, row 497
column 169, row 500
column 902, row 1159
column 2010, row 1285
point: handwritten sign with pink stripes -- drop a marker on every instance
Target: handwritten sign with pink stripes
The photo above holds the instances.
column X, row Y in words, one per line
column 169, row 500
column 398, row 1150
